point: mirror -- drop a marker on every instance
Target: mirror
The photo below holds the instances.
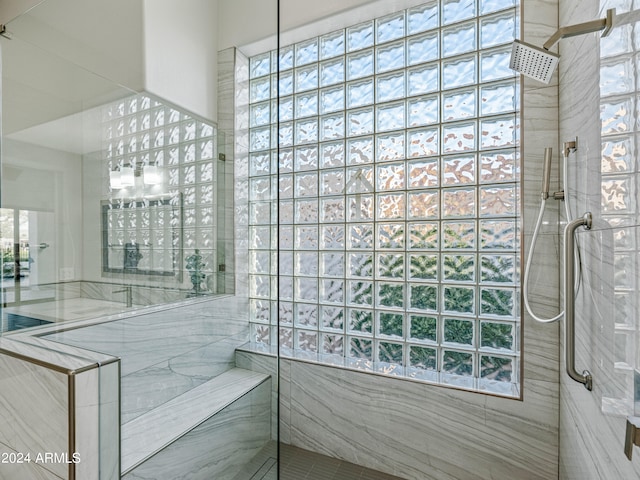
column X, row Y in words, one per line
column 142, row 237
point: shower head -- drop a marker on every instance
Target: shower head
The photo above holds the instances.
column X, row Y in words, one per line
column 533, row 62
column 540, row 63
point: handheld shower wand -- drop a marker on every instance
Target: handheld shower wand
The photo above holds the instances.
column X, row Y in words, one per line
column 546, row 175
column 546, row 172
column 568, row 148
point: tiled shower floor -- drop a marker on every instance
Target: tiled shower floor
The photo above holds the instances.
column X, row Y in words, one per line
column 299, row 464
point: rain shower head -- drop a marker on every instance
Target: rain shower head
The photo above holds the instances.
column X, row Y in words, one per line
column 540, row 63
column 533, row 62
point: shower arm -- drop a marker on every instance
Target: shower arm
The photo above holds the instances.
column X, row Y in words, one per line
column 605, row 24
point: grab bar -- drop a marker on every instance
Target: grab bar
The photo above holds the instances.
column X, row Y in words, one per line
column 570, row 303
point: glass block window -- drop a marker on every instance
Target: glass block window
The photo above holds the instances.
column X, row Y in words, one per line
column 619, row 135
column 396, row 162
column 140, row 132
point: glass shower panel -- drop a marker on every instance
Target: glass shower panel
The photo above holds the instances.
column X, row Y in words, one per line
column 132, row 209
column 51, row 131
column 124, row 221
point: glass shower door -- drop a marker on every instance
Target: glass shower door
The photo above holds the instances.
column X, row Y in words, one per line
column 139, row 170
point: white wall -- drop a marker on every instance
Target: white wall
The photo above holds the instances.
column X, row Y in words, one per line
column 180, row 53
column 10, row 9
column 164, row 47
column 104, row 38
column 48, row 180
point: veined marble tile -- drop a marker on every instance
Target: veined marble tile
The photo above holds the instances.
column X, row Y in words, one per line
column 539, row 19
column 592, row 443
column 148, row 434
column 33, row 410
column 431, row 428
column 141, row 345
column 60, row 348
column 148, row 388
column 68, row 290
column 39, row 352
column 541, row 351
column 209, row 360
column 267, row 364
column 87, row 424
column 110, row 422
column 219, row 447
column 68, row 309
column 435, row 432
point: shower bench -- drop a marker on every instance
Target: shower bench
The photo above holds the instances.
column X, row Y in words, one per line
column 211, row 430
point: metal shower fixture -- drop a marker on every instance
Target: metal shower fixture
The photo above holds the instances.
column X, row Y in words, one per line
column 540, row 63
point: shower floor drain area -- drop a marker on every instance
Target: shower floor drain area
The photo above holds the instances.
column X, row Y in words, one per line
column 299, row 464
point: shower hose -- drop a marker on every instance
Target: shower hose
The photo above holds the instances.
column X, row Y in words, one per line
column 534, row 239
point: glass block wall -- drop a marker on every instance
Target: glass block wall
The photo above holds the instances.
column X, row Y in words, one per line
column 140, row 131
column 618, row 185
column 392, row 147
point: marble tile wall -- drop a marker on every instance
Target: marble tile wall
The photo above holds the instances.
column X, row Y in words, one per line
column 38, row 397
column 141, row 295
column 598, row 92
column 418, row 431
column 36, row 384
column 267, row 364
column 217, row 448
column 165, row 353
column 109, row 422
column 86, row 388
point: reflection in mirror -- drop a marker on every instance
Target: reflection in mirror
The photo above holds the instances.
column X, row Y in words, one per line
column 142, row 237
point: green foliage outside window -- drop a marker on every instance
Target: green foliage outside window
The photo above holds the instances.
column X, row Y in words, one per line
column 424, row 297
column 497, row 335
column 458, row 331
column 457, row 363
column 424, row 328
column 457, row 299
column 391, row 295
column 391, row 324
column 421, row 357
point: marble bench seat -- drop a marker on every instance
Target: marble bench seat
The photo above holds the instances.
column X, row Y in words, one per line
column 148, row 435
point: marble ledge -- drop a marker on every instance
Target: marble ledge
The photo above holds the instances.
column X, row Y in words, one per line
column 71, row 350
column 151, row 311
column 217, row 448
column 45, row 357
column 149, row 433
